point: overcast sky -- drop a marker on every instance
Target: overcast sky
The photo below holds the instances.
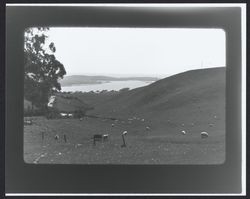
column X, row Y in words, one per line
column 137, row 51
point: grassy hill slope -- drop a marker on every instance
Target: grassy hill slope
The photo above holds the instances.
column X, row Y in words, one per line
column 195, row 97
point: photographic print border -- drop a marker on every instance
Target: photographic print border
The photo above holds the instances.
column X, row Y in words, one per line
column 122, row 179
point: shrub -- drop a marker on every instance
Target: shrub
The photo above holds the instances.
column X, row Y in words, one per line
column 52, row 113
column 79, row 113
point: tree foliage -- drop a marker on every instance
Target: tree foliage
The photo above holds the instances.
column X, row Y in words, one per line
column 41, row 68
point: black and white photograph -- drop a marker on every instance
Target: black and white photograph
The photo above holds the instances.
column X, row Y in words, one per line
column 124, row 96
column 125, row 99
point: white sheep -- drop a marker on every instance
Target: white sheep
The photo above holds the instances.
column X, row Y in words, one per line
column 64, row 115
column 147, row 128
column 78, row 145
column 204, row 134
column 183, row 132
column 56, row 137
column 142, row 120
column 124, row 133
column 105, row 137
column 112, row 125
column 28, row 122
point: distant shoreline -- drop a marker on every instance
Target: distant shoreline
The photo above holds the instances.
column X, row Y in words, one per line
column 75, row 80
column 106, row 86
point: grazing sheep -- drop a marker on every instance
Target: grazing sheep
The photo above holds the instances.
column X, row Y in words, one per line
column 100, row 137
column 183, row 132
column 211, row 125
column 78, row 145
column 105, row 137
column 142, row 120
column 56, row 137
column 97, row 137
column 215, row 116
column 81, row 119
column 28, row 122
column 147, row 128
column 124, row 132
column 182, row 124
column 112, row 125
column 64, row 114
column 70, row 115
column 204, row 134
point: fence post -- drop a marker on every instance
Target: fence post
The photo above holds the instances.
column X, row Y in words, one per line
column 42, row 135
column 65, row 138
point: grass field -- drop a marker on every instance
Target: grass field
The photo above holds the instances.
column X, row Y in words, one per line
column 193, row 101
column 143, row 146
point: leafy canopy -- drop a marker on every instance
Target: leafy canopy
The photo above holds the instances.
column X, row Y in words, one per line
column 41, row 68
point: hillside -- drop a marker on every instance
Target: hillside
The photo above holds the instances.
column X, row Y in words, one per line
column 84, row 79
column 154, row 117
column 196, row 96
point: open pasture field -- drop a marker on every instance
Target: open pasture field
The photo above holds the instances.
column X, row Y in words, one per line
column 162, row 145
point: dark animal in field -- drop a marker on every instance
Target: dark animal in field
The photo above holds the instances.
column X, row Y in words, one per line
column 56, row 137
column 105, row 137
column 100, row 137
column 204, row 134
